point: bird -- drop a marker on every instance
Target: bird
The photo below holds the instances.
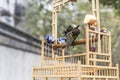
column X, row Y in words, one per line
column 103, row 30
column 71, row 34
column 68, row 30
column 93, row 47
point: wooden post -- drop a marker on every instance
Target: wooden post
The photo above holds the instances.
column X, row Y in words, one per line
column 33, row 74
column 42, row 53
column 46, row 78
column 95, row 11
column 98, row 22
column 33, row 78
column 56, row 26
column 87, row 45
column 53, row 54
column 55, row 66
column 79, row 70
column 117, row 71
column 53, row 23
column 56, row 60
column 63, row 54
column 61, row 78
column 103, row 44
column 109, row 49
column 95, row 73
column 106, row 50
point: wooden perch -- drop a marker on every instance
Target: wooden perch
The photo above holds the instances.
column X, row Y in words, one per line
column 73, row 0
column 77, row 42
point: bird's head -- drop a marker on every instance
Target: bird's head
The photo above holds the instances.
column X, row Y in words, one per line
column 70, row 27
column 73, row 26
column 77, row 27
column 104, row 30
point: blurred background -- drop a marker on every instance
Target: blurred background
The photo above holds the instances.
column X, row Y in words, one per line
column 23, row 23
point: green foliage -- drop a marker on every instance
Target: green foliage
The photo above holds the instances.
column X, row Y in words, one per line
column 111, row 22
column 113, row 3
column 39, row 17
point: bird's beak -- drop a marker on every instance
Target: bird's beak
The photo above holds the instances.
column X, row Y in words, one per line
column 78, row 27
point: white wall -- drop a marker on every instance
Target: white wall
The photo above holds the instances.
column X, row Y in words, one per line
column 16, row 64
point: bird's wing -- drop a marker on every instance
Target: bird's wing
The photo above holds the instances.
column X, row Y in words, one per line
column 75, row 32
column 70, row 39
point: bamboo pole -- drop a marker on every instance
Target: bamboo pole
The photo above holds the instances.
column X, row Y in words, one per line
column 56, row 26
column 98, row 22
column 53, row 53
column 87, row 45
column 63, row 54
column 69, row 78
column 42, row 53
column 107, row 45
column 94, row 41
column 79, row 70
column 109, row 49
column 53, row 22
column 33, row 74
column 95, row 60
column 90, row 42
column 95, row 11
column 61, row 78
column 117, row 71
column 46, row 78
column 103, row 44
column 56, row 62
column 47, row 50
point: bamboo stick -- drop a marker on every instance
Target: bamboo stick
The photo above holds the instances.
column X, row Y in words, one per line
column 77, row 42
column 42, row 53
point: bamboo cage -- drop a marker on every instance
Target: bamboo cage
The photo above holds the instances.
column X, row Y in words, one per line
column 94, row 64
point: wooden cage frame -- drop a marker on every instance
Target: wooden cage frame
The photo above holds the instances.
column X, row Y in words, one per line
column 84, row 66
